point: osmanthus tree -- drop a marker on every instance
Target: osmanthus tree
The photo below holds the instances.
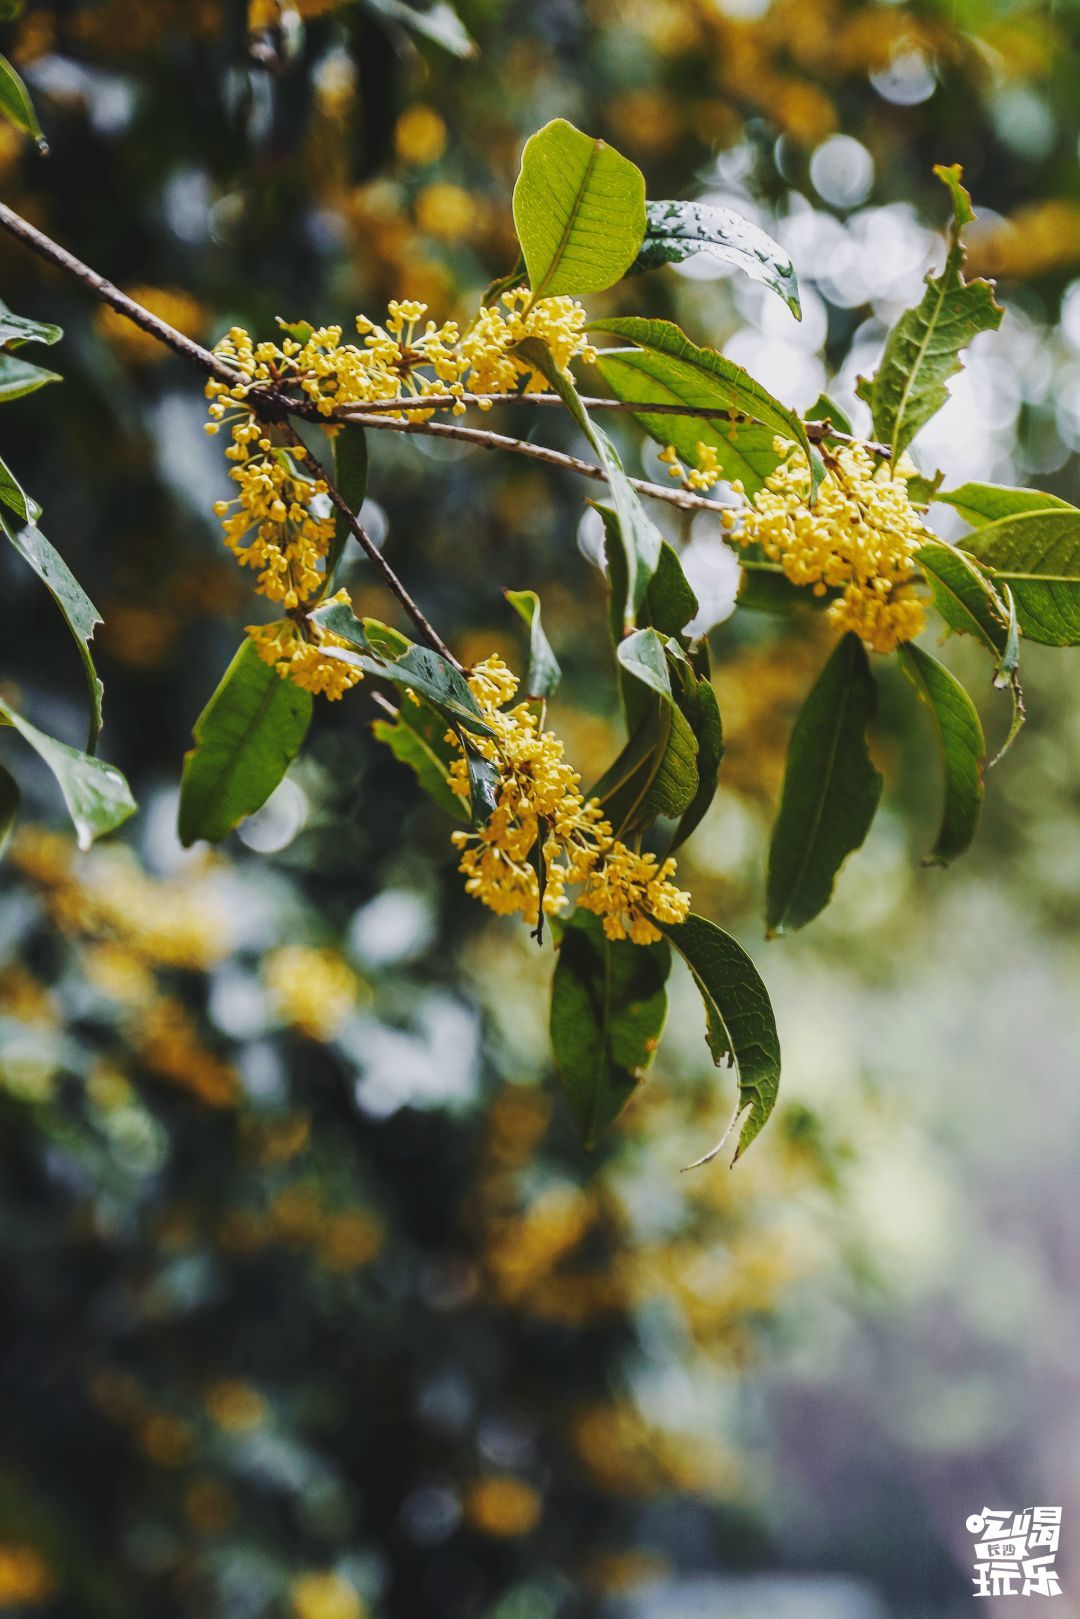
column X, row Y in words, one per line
column 816, row 515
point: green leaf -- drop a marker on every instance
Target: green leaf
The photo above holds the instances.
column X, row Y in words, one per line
column 744, row 451
column 641, row 539
column 739, row 1021
column 963, row 750
column 674, row 231
column 19, row 377
column 765, row 588
column 16, row 106
column 656, row 772
column 608, row 1005
column 831, row 790
column 698, row 703
column 439, row 22
column 78, row 611
column 350, row 476
column 970, row 605
column 963, row 595
column 384, row 639
column 96, row 794
column 669, row 602
column 1037, row 554
column 418, row 668
column 15, row 330
column 544, row 673
column 706, row 379
column 922, row 350
column 579, row 211
column 825, row 409
column 417, row 737
column 245, row 739
column 14, row 495
column 483, row 782
column 301, row 331
column 9, row 805
column 982, row 503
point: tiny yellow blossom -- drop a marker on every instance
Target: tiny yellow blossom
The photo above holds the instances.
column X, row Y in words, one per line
column 861, row 537
column 313, row 989
column 25, row 1578
column 136, row 347
column 542, row 815
column 325, row 1596
column 503, row 1506
column 702, row 475
column 420, row 135
column 298, row 653
column 281, row 521
column 236, row 1406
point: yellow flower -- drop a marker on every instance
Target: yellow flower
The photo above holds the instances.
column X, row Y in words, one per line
column 626, row 888
column 541, row 815
column 25, row 1579
column 281, row 522
column 503, row 1506
column 236, row 1406
column 314, row 990
column 420, row 135
column 325, row 1596
column 446, row 211
column 296, row 652
column 861, row 537
column 703, row 475
column 131, row 343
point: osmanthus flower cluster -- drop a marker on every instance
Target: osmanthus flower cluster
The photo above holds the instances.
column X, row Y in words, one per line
column 281, row 523
column 847, row 530
column 541, row 815
column 861, row 537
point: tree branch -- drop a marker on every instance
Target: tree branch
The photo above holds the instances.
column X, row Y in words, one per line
column 378, row 415
column 816, row 431
column 360, row 533
column 46, row 248
column 275, row 404
column 484, row 439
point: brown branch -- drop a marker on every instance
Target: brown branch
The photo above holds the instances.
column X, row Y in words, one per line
column 360, row 533
column 484, row 439
column 816, row 431
column 274, row 404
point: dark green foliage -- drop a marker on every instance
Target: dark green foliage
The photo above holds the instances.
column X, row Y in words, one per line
column 963, row 750
column 831, row 790
column 245, row 739
column 608, row 1005
column 740, row 1026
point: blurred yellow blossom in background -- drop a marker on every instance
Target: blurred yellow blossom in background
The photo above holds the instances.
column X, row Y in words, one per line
column 325, row 1596
column 313, row 988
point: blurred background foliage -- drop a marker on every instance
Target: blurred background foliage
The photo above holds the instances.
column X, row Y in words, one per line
column 312, row 1307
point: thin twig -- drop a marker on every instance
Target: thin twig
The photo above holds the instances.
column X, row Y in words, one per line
column 816, row 431
column 360, row 533
column 484, row 439
column 273, row 404
column 46, row 248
